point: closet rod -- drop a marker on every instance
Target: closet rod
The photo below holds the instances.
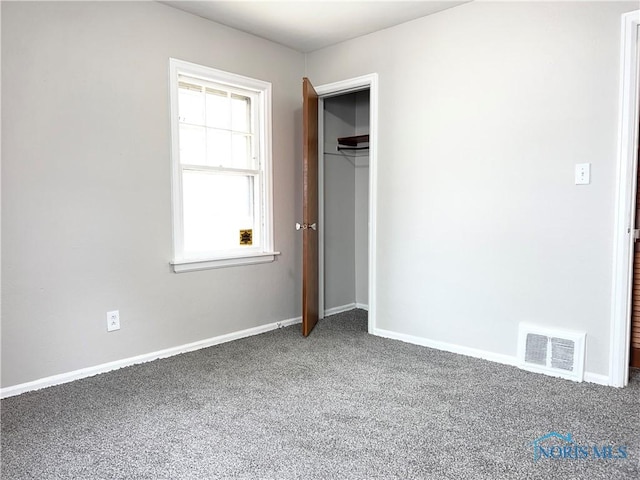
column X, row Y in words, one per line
column 340, row 147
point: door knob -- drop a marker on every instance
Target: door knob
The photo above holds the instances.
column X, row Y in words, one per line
column 306, row 226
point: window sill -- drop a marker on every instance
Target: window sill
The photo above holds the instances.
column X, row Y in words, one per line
column 180, row 266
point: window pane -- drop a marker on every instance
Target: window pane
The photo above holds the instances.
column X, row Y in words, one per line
column 216, row 208
column 217, row 108
column 190, row 103
column 241, row 149
column 192, row 145
column 218, row 148
column 240, row 113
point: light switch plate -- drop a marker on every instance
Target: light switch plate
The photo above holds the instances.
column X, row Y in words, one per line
column 583, row 173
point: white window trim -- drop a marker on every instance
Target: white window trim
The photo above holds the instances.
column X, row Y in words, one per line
column 267, row 252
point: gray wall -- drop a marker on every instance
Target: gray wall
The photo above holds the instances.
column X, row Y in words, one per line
column 339, row 200
column 86, row 199
column 346, row 214
column 361, row 234
column 484, row 110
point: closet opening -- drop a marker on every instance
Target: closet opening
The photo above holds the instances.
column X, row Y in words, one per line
column 344, row 182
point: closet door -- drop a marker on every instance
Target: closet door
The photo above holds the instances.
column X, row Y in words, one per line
column 310, row 281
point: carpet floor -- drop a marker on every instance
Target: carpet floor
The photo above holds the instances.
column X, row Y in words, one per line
column 340, row 404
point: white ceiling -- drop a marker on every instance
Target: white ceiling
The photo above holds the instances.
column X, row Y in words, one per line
column 310, row 25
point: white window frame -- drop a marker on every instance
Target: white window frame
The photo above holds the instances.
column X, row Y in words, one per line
column 262, row 90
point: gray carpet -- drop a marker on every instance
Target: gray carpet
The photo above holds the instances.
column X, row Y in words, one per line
column 340, row 404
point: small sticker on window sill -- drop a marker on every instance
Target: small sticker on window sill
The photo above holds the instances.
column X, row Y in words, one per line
column 246, row 237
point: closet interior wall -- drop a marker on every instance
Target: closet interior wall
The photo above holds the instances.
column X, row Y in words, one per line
column 346, row 203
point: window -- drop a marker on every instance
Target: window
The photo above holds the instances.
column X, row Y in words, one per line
column 221, row 157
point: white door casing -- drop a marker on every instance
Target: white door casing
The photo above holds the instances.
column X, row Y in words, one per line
column 625, row 202
column 338, row 88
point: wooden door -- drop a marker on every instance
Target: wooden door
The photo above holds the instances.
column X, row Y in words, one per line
column 634, row 354
column 310, row 207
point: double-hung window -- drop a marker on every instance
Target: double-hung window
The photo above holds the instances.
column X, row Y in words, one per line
column 221, row 158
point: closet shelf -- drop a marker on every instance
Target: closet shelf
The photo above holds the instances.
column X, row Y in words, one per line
column 353, row 143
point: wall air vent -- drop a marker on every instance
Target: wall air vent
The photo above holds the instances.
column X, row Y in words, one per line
column 559, row 353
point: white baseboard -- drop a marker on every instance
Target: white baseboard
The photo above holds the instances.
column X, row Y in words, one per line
column 345, row 308
column 169, row 352
column 448, row 347
column 148, row 357
column 597, row 378
column 474, row 352
column 340, row 309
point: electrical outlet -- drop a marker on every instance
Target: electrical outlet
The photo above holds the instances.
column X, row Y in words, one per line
column 113, row 321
